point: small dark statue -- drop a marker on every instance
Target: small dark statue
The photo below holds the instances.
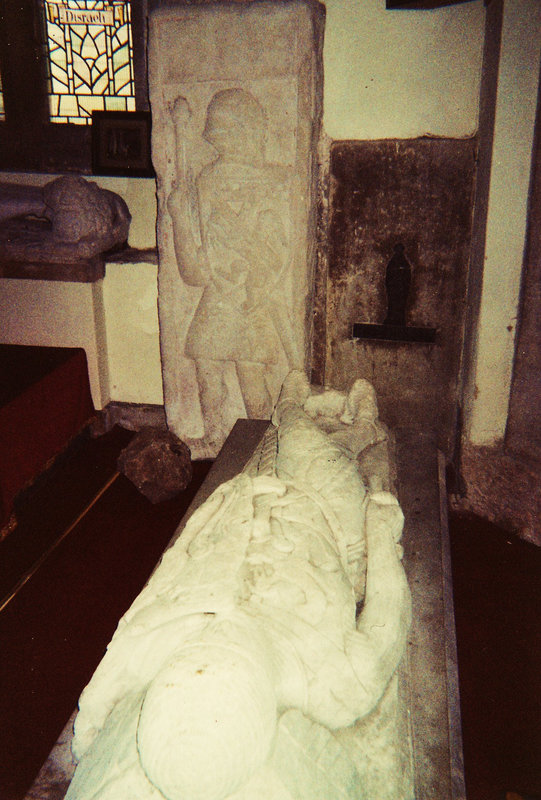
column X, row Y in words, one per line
column 397, row 283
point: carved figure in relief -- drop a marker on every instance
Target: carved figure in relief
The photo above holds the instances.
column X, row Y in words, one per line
column 242, row 669
column 231, row 236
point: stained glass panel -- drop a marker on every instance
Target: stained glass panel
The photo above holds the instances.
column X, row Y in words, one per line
column 90, row 53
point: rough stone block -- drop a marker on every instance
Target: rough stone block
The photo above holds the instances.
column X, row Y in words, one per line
column 60, row 231
column 158, row 463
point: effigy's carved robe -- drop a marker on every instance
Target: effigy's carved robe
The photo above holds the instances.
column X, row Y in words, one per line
column 245, row 668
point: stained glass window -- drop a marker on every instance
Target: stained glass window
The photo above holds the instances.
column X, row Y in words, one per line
column 90, row 56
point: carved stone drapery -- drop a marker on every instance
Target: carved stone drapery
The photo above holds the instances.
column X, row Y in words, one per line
column 235, row 91
column 262, row 658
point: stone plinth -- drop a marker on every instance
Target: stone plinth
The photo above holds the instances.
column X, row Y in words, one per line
column 236, row 96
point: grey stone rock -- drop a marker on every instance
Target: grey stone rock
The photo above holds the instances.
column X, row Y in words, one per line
column 158, row 463
column 80, row 210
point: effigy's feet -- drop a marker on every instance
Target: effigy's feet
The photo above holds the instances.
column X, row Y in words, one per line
column 344, row 407
column 295, row 390
column 360, row 403
column 296, row 387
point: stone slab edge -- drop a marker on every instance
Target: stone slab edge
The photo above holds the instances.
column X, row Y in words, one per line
column 456, row 753
column 433, row 703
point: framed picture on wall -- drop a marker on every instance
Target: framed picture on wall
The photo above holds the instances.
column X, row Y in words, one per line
column 121, row 143
column 423, row 4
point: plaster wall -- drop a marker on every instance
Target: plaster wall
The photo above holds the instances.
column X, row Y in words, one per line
column 523, row 432
column 56, row 314
column 130, row 296
column 401, row 74
column 417, row 193
column 518, row 81
column 114, row 320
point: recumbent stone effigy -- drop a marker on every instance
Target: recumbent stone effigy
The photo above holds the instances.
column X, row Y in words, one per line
column 261, row 658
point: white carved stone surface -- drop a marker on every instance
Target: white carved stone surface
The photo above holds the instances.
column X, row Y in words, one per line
column 235, row 91
column 66, row 220
column 261, row 658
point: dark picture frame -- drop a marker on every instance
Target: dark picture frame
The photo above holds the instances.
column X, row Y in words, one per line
column 422, row 5
column 121, row 143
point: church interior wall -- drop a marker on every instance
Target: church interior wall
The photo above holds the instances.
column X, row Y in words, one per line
column 401, row 74
column 387, row 75
column 499, row 462
column 489, row 373
column 414, row 194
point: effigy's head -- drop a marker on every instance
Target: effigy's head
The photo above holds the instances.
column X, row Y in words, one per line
column 207, row 722
column 235, row 123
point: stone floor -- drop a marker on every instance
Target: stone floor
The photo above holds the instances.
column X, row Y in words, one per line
column 502, row 487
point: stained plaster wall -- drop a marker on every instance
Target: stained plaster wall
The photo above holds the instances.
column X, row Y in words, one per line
column 417, row 193
column 501, row 476
column 523, row 433
column 420, row 73
column 408, row 110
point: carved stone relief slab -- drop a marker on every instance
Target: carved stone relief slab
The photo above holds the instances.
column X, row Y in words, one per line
column 236, row 99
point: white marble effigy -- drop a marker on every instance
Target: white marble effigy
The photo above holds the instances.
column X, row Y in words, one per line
column 413, row 735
